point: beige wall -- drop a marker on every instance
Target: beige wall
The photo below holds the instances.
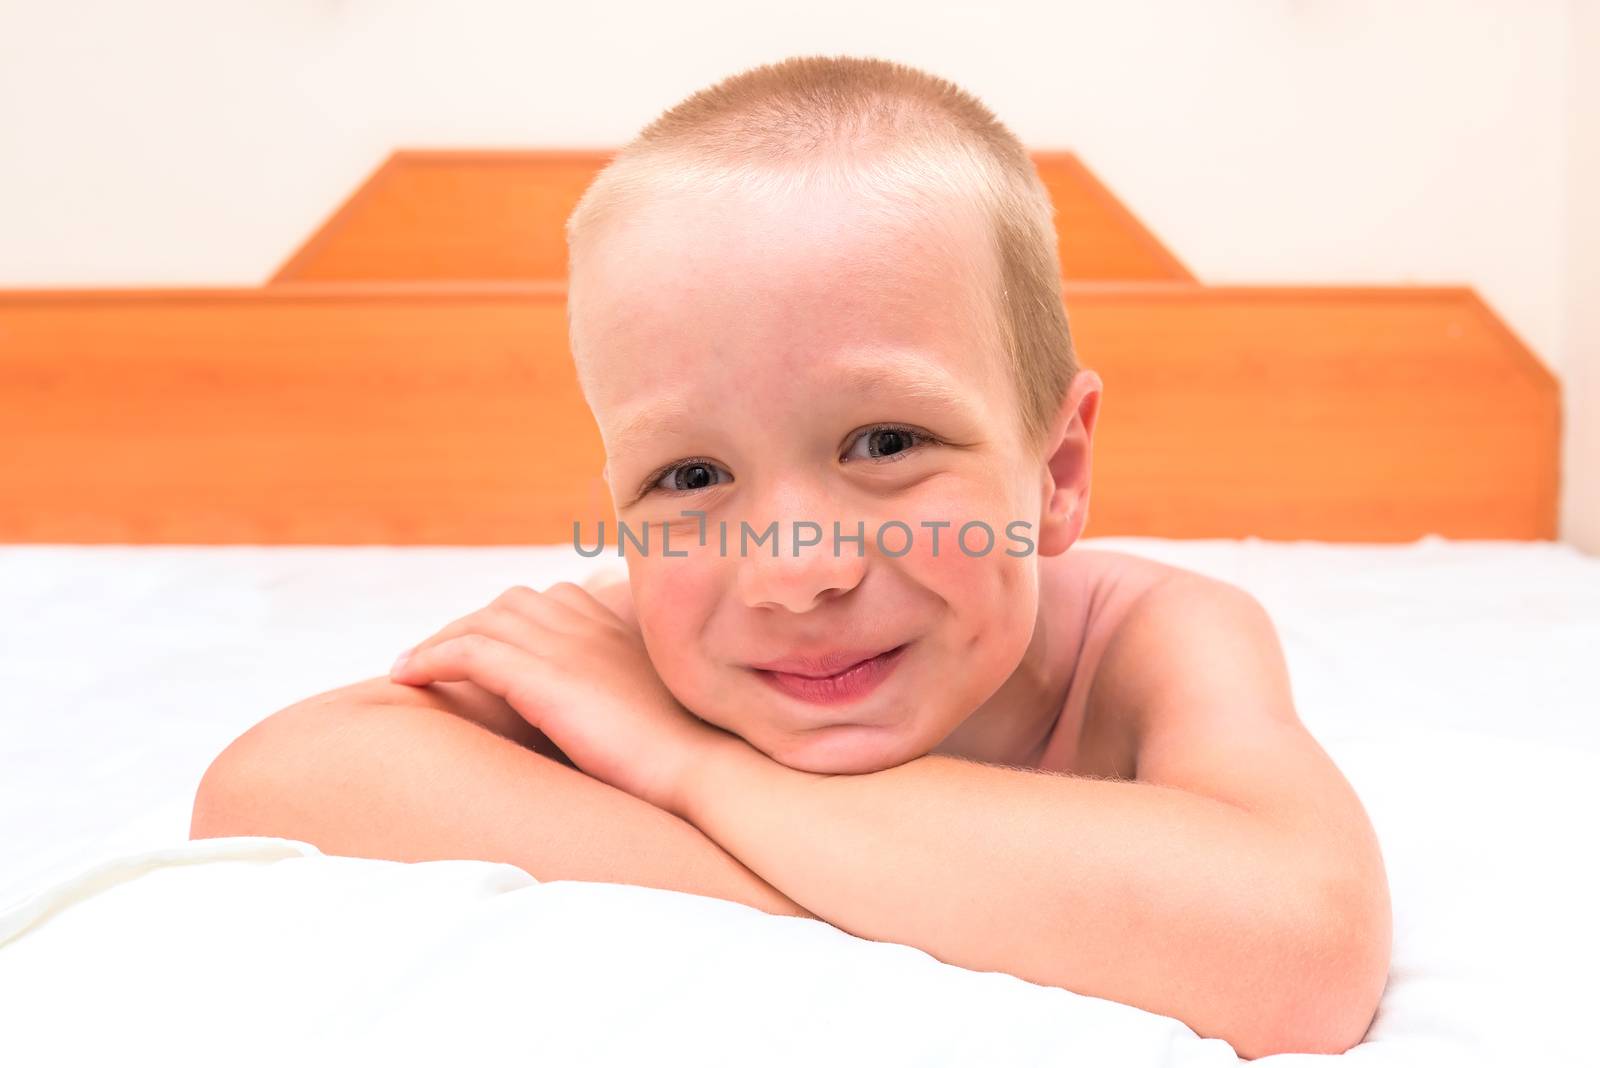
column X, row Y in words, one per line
column 1581, row 503
column 186, row 141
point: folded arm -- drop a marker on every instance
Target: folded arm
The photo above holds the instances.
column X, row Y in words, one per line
column 1236, row 887
column 444, row 772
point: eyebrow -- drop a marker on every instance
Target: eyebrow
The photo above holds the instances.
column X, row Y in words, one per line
column 922, row 383
column 919, row 382
column 650, row 423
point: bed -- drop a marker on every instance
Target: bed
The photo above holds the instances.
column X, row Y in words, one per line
column 219, row 502
column 1451, row 680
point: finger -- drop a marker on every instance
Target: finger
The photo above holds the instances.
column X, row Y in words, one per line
column 528, row 618
column 564, row 606
column 611, row 587
column 493, row 665
column 495, row 622
column 582, row 599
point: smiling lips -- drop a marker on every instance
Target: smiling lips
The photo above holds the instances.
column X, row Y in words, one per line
column 832, row 679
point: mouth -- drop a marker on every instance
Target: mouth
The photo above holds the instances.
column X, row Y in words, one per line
column 853, row 675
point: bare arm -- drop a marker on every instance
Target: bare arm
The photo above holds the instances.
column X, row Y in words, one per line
column 378, row 770
column 1238, row 888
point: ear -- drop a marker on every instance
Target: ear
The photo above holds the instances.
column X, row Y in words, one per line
column 1064, row 479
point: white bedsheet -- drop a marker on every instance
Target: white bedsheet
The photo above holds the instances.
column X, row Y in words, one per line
column 1452, row 682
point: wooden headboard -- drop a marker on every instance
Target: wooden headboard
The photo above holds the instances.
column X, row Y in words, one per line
column 453, row 214
column 448, row 413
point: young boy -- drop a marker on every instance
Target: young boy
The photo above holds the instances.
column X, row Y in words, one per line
column 816, row 312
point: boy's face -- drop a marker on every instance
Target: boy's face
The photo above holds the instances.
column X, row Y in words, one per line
column 765, row 361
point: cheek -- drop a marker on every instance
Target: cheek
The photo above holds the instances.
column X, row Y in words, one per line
column 991, row 596
column 966, row 558
column 672, row 599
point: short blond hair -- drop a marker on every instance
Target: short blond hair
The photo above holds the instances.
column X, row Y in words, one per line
column 790, row 122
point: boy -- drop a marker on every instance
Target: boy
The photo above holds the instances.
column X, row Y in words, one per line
column 817, row 307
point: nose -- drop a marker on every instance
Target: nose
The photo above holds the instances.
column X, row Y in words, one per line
column 799, row 579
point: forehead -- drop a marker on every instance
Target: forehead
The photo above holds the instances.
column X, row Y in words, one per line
column 800, row 285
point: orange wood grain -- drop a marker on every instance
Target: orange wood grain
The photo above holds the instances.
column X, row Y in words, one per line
column 443, row 413
column 1332, row 414
column 1097, row 237
column 334, row 415
column 500, row 215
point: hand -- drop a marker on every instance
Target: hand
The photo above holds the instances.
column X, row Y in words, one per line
column 580, row 673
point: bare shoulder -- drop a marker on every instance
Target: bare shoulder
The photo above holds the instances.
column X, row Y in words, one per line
column 1176, row 630
column 1109, row 575
column 1196, row 670
column 1193, row 670
column 1116, row 592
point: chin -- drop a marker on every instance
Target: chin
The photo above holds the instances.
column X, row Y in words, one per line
column 845, row 749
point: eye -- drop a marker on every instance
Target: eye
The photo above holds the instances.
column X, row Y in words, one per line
column 889, row 442
column 688, row 476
